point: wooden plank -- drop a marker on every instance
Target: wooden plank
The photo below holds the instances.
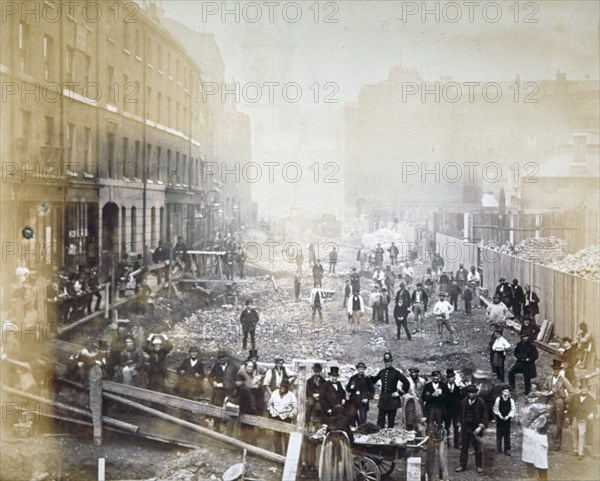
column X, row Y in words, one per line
column 195, row 407
column 70, row 409
column 199, row 429
column 292, row 458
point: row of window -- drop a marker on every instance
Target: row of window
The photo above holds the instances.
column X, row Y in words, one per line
column 164, row 63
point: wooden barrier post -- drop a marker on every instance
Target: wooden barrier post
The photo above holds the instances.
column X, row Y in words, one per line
column 101, row 469
column 301, row 418
column 95, row 380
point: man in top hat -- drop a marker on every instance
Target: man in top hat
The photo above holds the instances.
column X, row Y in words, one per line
column 401, row 310
column 222, row 378
column 249, row 320
column 191, row 372
column 389, row 400
column 454, row 398
column 157, row 347
column 419, row 304
column 473, row 420
column 435, row 398
column 526, row 354
column 518, row 298
column 582, row 411
column 496, row 312
column 332, row 394
column 557, row 389
column 313, row 391
column 360, row 391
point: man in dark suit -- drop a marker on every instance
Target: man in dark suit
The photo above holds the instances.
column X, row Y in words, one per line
column 360, row 391
column 313, row 391
column 455, row 396
column 518, row 296
column 569, row 359
column 332, row 394
column 401, row 310
column 473, row 420
column 419, row 303
column 317, row 273
column 390, row 398
column 504, row 291
column 526, row 354
column 222, row 378
column 191, row 372
column 435, row 397
column 249, row 320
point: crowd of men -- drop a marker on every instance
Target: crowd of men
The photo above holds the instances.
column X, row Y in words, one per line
column 461, row 400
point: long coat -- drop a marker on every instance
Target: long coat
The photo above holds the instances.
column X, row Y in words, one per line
column 330, row 397
column 359, row 388
column 389, row 378
column 526, row 354
column 435, row 407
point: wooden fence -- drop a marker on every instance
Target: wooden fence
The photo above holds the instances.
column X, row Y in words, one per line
column 564, row 298
column 456, row 252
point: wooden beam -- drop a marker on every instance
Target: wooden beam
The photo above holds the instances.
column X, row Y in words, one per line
column 263, row 453
column 292, row 458
column 123, row 426
column 195, row 407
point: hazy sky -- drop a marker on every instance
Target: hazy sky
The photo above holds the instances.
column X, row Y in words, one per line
column 470, row 41
column 372, row 36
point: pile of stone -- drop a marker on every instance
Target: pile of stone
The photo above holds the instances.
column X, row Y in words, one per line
column 542, row 250
column 385, row 237
column 585, row 263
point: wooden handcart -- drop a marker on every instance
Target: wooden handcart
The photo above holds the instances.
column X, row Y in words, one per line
column 372, row 461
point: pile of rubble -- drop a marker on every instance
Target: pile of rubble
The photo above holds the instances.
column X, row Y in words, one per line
column 384, row 236
column 585, row 263
column 542, row 250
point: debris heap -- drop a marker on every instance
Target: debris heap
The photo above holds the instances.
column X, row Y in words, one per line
column 585, row 263
column 542, row 250
column 384, row 236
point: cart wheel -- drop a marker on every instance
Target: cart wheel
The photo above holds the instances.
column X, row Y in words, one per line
column 365, row 469
column 385, row 467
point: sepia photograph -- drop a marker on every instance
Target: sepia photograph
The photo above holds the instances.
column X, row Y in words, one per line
column 304, row 240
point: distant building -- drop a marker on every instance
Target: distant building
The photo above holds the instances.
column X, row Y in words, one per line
column 569, row 177
column 420, row 128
